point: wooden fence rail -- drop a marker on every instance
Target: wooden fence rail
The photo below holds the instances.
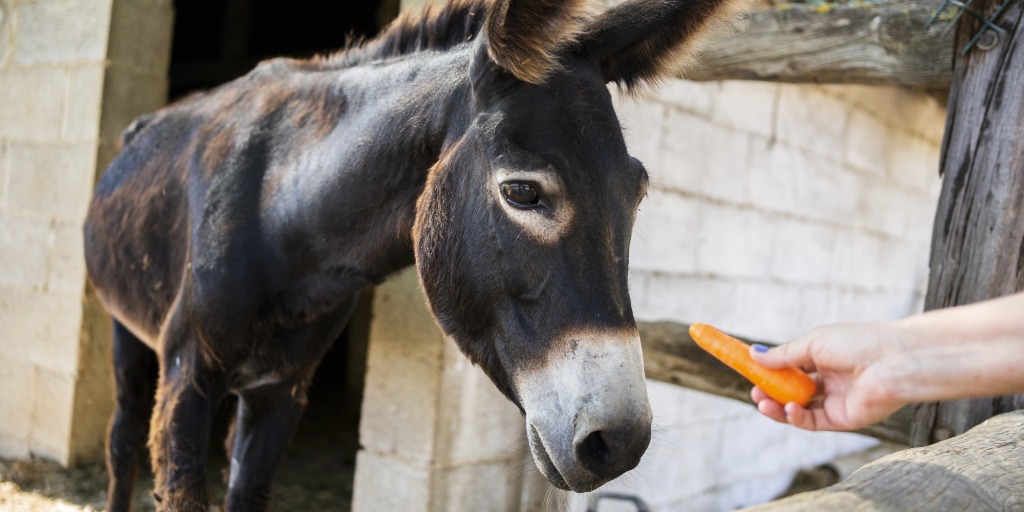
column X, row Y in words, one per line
column 880, row 43
column 980, row 471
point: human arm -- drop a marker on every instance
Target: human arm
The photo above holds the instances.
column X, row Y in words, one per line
column 866, row 371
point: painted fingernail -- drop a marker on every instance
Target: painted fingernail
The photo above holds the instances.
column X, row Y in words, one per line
column 760, row 348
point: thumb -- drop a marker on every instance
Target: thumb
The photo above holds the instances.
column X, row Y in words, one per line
column 788, row 355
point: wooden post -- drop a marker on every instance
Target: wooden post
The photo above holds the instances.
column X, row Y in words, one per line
column 978, row 236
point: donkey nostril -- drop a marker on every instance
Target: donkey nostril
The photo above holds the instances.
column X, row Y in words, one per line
column 594, row 452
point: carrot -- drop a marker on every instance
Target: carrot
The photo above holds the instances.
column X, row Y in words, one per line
column 784, row 385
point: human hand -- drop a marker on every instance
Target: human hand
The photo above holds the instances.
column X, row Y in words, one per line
column 856, row 367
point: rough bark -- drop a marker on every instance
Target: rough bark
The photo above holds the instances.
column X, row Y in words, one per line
column 978, row 235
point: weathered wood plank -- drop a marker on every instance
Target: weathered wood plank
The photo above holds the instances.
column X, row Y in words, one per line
column 978, row 471
column 670, row 355
column 863, row 43
column 978, row 235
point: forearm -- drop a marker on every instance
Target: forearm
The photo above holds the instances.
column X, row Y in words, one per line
column 966, row 351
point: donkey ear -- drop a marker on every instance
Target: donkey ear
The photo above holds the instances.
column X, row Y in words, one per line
column 642, row 40
column 524, row 36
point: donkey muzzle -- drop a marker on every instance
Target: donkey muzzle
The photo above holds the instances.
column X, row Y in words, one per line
column 587, row 413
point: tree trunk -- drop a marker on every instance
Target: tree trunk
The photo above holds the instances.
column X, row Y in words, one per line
column 978, row 236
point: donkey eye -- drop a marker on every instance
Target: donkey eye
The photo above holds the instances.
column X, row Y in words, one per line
column 521, row 194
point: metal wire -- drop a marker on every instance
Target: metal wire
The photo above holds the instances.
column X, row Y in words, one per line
column 986, row 23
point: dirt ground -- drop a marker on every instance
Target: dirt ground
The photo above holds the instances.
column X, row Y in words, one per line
column 316, row 475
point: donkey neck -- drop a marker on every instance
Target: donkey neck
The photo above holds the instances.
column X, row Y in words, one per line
column 360, row 183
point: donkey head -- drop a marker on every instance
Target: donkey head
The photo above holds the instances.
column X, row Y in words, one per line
column 522, row 234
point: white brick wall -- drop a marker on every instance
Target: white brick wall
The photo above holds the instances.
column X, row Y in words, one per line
column 773, row 208
column 65, row 93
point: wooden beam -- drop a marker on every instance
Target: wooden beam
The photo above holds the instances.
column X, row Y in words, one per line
column 977, row 471
column 862, row 43
column 670, row 355
column 978, row 234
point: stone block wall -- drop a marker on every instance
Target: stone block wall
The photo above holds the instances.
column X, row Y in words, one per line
column 69, row 82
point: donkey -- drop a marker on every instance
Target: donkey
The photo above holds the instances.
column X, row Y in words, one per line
column 231, row 236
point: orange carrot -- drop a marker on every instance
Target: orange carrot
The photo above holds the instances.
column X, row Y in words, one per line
column 784, row 385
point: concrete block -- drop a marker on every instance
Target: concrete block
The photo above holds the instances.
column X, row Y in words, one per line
column 854, row 259
column 801, row 252
column 663, row 237
column 387, row 484
column 899, row 107
column 867, row 143
column 638, row 287
column 40, row 329
column 777, row 174
column 51, row 422
column 733, row 242
column 62, row 31
column 705, row 159
column 24, row 243
column 810, row 119
column 66, row 262
column 6, row 32
column 32, row 102
column 678, row 407
column 796, row 181
column 897, row 263
column 127, row 94
column 105, row 154
column 690, row 299
column 914, row 161
column 140, row 35
column 17, row 387
column 815, row 308
column 882, row 208
column 747, row 106
column 766, row 310
column 52, row 179
column 477, row 423
column 747, row 455
column 403, row 374
column 753, row 492
column 920, row 219
column 643, row 124
column 94, row 395
column 472, row 487
column 399, row 405
column 84, row 92
column 696, row 97
column 3, row 173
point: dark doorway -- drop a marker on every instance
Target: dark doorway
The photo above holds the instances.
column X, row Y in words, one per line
column 216, row 41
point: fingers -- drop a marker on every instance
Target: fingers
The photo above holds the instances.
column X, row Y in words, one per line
column 792, row 413
column 795, row 354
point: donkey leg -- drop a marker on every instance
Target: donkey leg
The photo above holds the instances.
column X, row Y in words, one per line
column 180, row 434
column 135, row 372
column 264, row 423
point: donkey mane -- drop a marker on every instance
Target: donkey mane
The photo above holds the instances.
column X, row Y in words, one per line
column 525, row 44
column 436, row 27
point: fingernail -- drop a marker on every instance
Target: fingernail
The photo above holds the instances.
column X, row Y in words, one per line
column 760, row 348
